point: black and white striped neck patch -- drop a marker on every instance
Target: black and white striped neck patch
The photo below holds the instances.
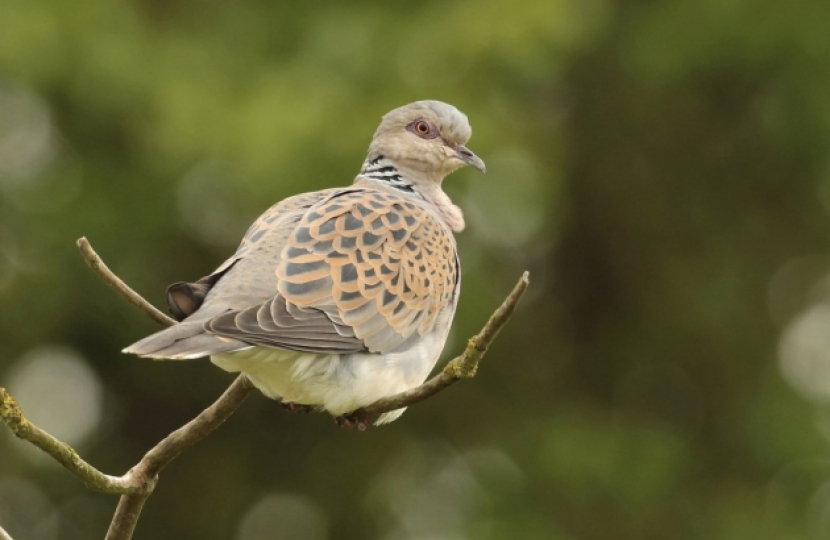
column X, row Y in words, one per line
column 383, row 170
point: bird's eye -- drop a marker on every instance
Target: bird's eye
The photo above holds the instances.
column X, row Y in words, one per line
column 423, row 129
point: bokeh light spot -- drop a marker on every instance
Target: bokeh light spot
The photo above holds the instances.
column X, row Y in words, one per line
column 59, row 392
column 433, row 492
column 804, row 353
column 39, row 172
column 283, row 516
column 25, row 512
column 508, row 206
column 25, row 136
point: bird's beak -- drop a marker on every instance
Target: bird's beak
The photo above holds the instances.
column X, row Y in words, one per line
column 465, row 155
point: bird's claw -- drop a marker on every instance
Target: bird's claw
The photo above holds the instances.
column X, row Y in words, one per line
column 297, row 407
column 356, row 419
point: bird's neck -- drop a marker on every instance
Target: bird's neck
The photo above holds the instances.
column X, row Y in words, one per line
column 381, row 169
column 383, row 172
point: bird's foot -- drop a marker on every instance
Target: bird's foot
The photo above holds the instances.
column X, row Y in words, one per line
column 297, row 407
column 357, row 419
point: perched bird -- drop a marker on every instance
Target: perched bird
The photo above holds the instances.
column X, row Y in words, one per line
column 340, row 297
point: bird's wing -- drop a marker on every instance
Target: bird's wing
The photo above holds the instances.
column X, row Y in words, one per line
column 360, row 270
column 246, row 279
column 266, row 236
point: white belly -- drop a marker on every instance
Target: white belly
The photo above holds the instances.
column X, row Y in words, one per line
column 339, row 384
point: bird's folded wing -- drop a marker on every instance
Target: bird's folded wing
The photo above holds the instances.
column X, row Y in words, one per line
column 360, row 270
column 260, row 248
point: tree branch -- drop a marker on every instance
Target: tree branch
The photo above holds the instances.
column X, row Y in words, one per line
column 140, row 481
column 460, row 367
column 94, row 261
column 146, row 472
column 197, row 429
column 4, row 535
column 60, row 451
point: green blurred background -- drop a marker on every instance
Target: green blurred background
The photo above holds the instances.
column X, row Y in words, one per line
column 662, row 168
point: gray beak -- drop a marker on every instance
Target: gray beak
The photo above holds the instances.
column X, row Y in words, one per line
column 465, row 155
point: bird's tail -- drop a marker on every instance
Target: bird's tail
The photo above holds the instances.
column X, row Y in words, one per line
column 184, row 341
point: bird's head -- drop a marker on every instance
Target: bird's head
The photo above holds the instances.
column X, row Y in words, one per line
column 425, row 139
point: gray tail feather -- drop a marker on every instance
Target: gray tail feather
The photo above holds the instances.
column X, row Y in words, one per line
column 184, row 341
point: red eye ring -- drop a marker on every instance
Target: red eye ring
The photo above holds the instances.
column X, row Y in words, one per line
column 423, row 129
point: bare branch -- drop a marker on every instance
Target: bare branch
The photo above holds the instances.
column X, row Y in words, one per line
column 460, row 367
column 139, row 482
column 197, row 429
column 4, row 535
column 126, row 517
column 98, row 266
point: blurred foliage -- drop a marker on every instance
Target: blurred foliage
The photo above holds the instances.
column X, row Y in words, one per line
column 661, row 168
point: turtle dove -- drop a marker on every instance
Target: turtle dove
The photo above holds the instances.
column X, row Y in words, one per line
column 340, row 297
